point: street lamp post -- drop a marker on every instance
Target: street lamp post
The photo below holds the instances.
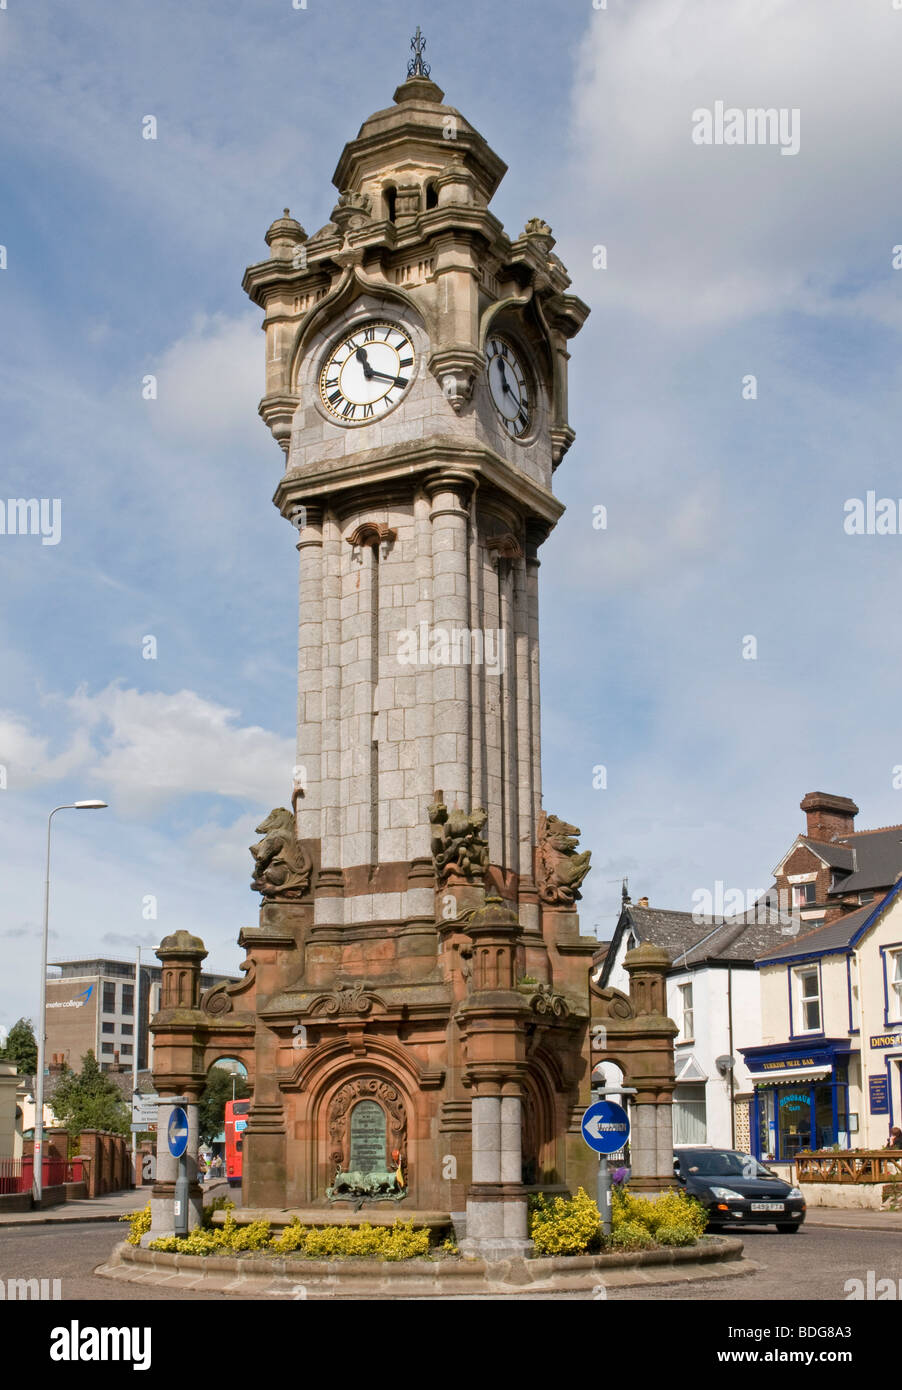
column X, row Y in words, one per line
column 38, row 1161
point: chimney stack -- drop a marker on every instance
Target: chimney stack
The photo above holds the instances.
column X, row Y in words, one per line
column 643, row 902
column 829, row 817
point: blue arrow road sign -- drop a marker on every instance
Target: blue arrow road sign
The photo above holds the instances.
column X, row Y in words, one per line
column 178, row 1132
column 606, row 1127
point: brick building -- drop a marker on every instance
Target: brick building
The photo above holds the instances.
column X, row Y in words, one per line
column 832, row 868
column 91, row 1006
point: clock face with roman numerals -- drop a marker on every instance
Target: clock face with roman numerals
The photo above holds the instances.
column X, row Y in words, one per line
column 507, row 386
column 367, row 373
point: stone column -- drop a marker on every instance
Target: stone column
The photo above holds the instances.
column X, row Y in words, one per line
column 534, row 537
column 486, row 1138
column 416, row 755
column 329, row 907
column 177, row 1048
column 493, row 1020
column 651, row 1070
column 310, row 675
column 451, row 613
column 506, row 677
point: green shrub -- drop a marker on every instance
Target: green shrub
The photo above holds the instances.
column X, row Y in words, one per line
column 217, row 1204
column 671, row 1209
column 397, row 1242
column 564, row 1226
column 631, row 1235
column 675, row 1235
column 292, row 1238
column 139, row 1222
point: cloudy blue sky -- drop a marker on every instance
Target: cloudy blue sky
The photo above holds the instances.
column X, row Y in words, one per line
column 725, row 516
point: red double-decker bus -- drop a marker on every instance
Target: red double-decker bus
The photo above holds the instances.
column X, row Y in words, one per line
column 235, row 1125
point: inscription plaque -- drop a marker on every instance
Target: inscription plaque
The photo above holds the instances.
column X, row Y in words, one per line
column 368, row 1130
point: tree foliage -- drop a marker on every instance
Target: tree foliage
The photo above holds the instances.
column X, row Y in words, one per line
column 21, row 1047
column 211, row 1110
column 89, row 1100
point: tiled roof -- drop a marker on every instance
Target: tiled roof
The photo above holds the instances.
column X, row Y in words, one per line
column 878, row 858
column 691, row 939
column 831, row 937
column 838, row 856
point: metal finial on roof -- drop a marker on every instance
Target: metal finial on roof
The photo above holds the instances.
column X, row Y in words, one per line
column 416, row 67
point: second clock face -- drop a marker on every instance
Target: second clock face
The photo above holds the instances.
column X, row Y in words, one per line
column 367, row 372
column 507, row 384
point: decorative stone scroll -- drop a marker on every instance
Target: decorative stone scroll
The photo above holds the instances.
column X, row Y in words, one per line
column 544, row 1000
column 219, row 1000
column 282, row 868
column 345, row 999
column 559, row 869
column 458, row 847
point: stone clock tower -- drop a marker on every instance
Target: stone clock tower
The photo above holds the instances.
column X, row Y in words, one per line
column 415, row 1012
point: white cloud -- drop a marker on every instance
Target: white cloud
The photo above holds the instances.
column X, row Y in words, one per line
column 209, row 383
column 702, row 234
column 26, row 757
column 146, row 750
column 154, row 748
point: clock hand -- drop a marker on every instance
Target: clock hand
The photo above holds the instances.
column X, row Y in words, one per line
column 504, row 385
column 368, row 372
column 386, row 376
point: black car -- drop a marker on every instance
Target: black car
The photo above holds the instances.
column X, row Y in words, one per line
column 735, row 1189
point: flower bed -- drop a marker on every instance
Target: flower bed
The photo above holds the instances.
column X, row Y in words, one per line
column 572, row 1226
column 558, row 1226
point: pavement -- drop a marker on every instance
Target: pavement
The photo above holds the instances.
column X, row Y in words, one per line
column 854, row 1218
column 108, row 1208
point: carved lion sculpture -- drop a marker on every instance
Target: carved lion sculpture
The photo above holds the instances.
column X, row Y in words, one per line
column 281, row 866
column 560, row 870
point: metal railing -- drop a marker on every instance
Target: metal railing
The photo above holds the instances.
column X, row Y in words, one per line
column 853, row 1166
column 17, row 1174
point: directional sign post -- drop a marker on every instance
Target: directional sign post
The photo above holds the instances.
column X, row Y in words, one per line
column 606, row 1128
column 144, row 1109
column 177, row 1135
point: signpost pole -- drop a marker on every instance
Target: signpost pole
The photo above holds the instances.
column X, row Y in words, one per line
column 604, row 1193
column 181, row 1199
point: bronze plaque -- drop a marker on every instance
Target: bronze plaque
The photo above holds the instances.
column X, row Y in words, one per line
column 367, row 1137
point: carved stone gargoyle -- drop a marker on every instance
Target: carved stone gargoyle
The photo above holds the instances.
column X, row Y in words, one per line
column 282, row 868
column 457, row 845
column 559, row 869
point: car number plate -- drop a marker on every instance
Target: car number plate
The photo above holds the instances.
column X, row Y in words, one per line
column 767, row 1206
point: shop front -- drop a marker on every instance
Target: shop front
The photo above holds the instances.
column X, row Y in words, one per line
column 801, row 1099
